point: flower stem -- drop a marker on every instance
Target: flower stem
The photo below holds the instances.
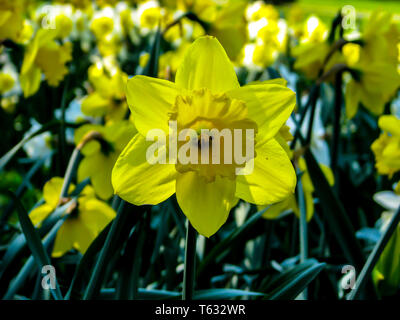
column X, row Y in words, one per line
column 190, row 263
column 336, row 124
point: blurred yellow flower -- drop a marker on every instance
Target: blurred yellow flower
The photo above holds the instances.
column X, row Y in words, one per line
column 11, row 19
column 387, row 147
column 108, row 97
column 6, row 82
column 86, row 218
column 44, row 54
column 377, row 83
column 101, row 153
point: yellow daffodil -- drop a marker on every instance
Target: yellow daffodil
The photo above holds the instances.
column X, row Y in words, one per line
column 314, row 48
column 376, row 63
column 230, row 20
column 101, row 153
column 224, row 19
column 63, row 25
column 108, row 97
column 11, row 19
column 387, row 147
column 381, row 36
column 271, row 40
column 102, row 26
column 44, row 54
column 377, row 83
column 206, row 95
column 105, row 31
column 86, row 218
column 6, row 82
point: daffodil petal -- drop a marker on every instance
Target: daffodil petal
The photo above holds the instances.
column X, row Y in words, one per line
column 30, row 81
column 272, row 179
column 101, row 179
column 150, row 100
column 64, row 239
column 52, row 191
column 38, row 214
column 83, row 236
column 269, row 105
column 206, row 65
column 205, row 204
column 95, row 214
column 390, row 124
column 95, row 105
column 136, row 180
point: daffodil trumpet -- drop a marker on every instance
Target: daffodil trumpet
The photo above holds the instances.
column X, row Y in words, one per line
column 202, row 146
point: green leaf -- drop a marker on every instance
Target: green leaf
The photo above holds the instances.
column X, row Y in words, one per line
column 8, row 156
column 334, row 213
column 34, row 242
column 87, row 258
column 236, row 236
column 119, row 232
column 208, row 294
column 374, row 256
column 29, row 266
column 143, row 294
column 19, row 243
column 290, row 283
column 151, row 68
column 211, row 294
column 21, row 188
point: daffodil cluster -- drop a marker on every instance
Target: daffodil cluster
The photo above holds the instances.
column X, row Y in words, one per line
column 106, row 103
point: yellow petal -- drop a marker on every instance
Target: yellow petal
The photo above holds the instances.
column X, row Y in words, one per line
column 389, row 124
column 40, row 213
column 139, row 182
column 273, row 178
column 352, row 98
column 205, row 204
column 206, row 65
column 30, row 81
column 95, row 214
column 309, row 205
column 328, row 174
column 269, row 105
column 98, row 168
column 150, row 100
column 95, row 105
column 64, row 239
column 52, row 191
column 83, row 236
column 275, row 210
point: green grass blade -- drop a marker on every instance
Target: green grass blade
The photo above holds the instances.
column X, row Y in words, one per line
column 29, row 266
column 217, row 294
column 34, row 242
column 334, row 213
column 8, row 156
column 374, row 256
column 292, row 282
column 87, row 258
column 227, row 243
column 96, row 278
